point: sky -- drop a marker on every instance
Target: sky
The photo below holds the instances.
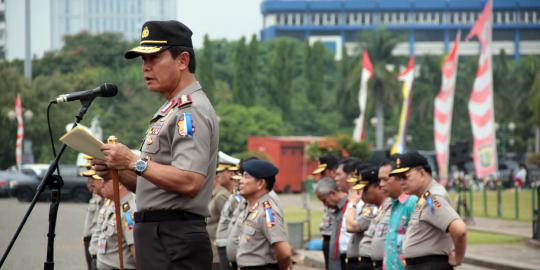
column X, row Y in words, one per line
column 229, row 19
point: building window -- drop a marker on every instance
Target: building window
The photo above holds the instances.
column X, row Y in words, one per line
column 367, row 17
column 533, row 17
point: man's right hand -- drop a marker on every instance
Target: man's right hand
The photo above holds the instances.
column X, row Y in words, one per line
column 101, row 168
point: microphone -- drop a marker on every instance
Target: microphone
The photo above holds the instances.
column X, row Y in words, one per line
column 105, row 90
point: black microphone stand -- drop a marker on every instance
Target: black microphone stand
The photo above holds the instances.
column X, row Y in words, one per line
column 54, row 183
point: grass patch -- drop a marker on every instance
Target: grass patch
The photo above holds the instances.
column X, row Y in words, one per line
column 474, row 237
column 296, row 214
column 508, row 204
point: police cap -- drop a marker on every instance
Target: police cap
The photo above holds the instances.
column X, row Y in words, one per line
column 260, row 169
column 157, row 36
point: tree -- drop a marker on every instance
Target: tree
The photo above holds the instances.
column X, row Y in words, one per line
column 313, row 72
column 237, row 123
column 379, row 44
column 205, row 68
column 281, row 74
column 11, row 83
column 241, row 84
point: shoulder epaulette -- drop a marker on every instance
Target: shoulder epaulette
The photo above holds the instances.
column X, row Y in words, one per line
column 184, row 101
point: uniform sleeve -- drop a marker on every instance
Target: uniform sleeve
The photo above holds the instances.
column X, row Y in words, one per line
column 275, row 233
column 365, row 217
column 440, row 215
column 191, row 140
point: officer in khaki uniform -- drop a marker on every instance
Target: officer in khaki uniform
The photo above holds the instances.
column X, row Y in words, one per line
column 173, row 177
column 436, row 235
column 94, row 185
column 327, row 168
column 233, row 238
column 358, row 221
column 263, row 242
column 107, row 246
column 227, row 220
column 220, row 196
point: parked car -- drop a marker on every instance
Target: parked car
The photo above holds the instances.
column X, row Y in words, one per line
column 74, row 187
column 6, row 177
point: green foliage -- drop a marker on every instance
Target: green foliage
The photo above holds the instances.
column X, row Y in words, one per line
column 237, row 123
column 534, row 102
column 277, row 87
column 205, row 68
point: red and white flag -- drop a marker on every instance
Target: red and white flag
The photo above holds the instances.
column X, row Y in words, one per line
column 481, row 102
column 367, row 72
column 444, row 106
column 20, row 131
column 407, row 76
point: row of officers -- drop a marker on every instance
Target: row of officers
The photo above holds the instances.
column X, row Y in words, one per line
column 390, row 216
column 246, row 225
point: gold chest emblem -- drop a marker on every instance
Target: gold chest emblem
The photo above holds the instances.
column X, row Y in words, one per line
column 145, row 32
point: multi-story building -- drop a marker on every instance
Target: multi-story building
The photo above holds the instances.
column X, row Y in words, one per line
column 51, row 20
column 427, row 26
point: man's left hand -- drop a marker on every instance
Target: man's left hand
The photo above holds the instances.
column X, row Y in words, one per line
column 119, row 156
column 452, row 260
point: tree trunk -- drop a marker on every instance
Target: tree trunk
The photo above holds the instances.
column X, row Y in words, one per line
column 379, row 112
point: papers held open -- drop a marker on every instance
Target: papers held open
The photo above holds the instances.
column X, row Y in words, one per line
column 83, row 141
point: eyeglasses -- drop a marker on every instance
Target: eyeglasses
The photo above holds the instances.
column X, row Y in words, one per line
column 405, row 176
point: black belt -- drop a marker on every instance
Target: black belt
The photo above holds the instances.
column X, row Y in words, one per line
column 353, row 260
column 377, row 263
column 165, row 215
column 367, row 260
column 266, row 266
column 426, row 259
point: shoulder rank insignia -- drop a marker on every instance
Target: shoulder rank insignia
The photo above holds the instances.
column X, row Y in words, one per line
column 170, row 105
column 125, row 207
column 185, row 125
column 366, row 211
column 183, row 101
column 270, row 222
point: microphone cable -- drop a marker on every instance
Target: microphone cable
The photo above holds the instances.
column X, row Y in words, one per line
column 51, row 135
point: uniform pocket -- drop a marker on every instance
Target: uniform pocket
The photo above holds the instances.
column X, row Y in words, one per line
column 151, row 144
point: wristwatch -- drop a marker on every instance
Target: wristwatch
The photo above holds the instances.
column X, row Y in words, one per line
column 141, row 165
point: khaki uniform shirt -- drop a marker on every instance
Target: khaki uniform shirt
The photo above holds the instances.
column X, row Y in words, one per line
column 100, row 218
column 327, row 221
column 225, row 219
column 373, row 233
column 236, row 230
column 427, row 230
column 91, row 213
column 363, row 218
column 219, row 198
column 107, row 256
column 184, row 133
column 262, row 226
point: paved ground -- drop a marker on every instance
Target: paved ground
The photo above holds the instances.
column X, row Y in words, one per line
column 510, row 227
column 30, row 249
column 29, row 252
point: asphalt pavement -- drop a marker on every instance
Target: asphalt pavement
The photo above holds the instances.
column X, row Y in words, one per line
column 29, row 251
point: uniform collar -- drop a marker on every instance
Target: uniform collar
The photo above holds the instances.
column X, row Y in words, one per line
column 342, row 202
column 261, row 199
column 164, row 109
column 429, row 186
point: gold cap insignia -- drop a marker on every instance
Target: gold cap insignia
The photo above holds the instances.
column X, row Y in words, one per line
column 398, row 163
column 145, row 32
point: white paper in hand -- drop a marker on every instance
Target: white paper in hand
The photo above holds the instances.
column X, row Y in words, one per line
column 83, row 141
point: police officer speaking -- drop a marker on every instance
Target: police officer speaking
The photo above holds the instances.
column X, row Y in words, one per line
column 173, row 176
